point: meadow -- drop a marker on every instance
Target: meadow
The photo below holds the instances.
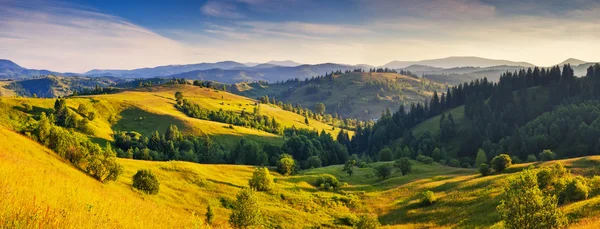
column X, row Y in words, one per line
column 41, row 190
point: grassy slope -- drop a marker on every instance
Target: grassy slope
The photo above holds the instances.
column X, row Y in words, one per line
column 146, row 110
column 5, row 91
column 350, row 84
column 39, row 189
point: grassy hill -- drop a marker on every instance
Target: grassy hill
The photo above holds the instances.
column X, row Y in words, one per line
column 357, row 94
column 146, row 110
column 40, row 190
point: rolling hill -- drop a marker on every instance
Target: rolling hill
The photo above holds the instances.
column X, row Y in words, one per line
column 146, row 110
column 10, row 70
column 40, row 190
column 258, row 73
column 358, row 95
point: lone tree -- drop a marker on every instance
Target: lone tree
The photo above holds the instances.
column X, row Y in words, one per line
column 209, row 215
column 261, row 180
column 481, row 158
column 484, row 169
column 547, row 155
column 285, row 165
column 320, row 108
column 179, row 97
column 386, row 154
column 384, row 171
column 349, row 167
column 404, row 165
column 501, row 162
column 306, row 120
column 246, row 210
column 145, row 181
column 525, row 206
column 367, row 222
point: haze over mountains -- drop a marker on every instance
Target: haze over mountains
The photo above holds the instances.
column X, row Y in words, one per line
column 449, row 69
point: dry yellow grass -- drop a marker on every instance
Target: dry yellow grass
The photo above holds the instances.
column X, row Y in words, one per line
column 40, row 190
column 146, row 110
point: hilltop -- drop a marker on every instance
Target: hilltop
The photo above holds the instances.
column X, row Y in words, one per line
column 362, row 95
column 149, row 109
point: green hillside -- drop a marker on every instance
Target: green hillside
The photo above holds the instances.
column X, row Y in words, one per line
column 362, row 95
column 150, row 109
column 62, row 196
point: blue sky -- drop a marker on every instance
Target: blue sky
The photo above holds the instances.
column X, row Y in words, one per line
column 81, row 35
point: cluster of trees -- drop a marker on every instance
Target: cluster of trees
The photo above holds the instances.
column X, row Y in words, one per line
column 96, row 91
column 65, row 117
column 318, row 113
column 593, row 71
column 494, row 112
column 81, row 152
column 532, row 198
column 251, row 120
column 171, row 145
column 314, row 149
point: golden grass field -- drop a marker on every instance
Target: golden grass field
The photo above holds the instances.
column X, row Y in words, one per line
column 146, row 110
column 40, row 190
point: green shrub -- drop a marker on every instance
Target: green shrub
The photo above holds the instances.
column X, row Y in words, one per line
column 481, row 158
column 575, row 190
column 404, row 165
column 595, row 186
column 384, row 171
column 501, row 162
column 286, row 165
column 453, row 162
column 547, row 155
column 246, row 212
column 484, row 169
column 261, row 180
column 531, row 158
column 524, row 203
column 367, row 222
column 326, row 181
column 465, row 165
column 515, row 160
column 428, row 198
column 386, row 154
column 313, row 162
column 145, row 181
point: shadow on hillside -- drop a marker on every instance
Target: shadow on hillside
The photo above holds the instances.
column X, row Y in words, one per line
column 225, row 183
column 145, row 123
column 35, row 110
column 455, row 210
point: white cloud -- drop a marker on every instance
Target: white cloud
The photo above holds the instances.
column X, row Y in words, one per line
column 66, row 39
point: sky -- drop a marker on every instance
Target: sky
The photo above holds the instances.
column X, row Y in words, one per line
column 80, row 35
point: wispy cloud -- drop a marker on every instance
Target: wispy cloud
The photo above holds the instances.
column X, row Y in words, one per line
column 220, row 9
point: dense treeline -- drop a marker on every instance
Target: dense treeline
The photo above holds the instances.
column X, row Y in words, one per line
column 494, row 113
column 573, row 129
column 172, row 145
column 96, row 91
column 309, row 148
column 252, row 120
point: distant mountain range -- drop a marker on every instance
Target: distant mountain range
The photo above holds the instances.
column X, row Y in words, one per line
column 10, row 70
column 450, row 69
column 457, row 61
